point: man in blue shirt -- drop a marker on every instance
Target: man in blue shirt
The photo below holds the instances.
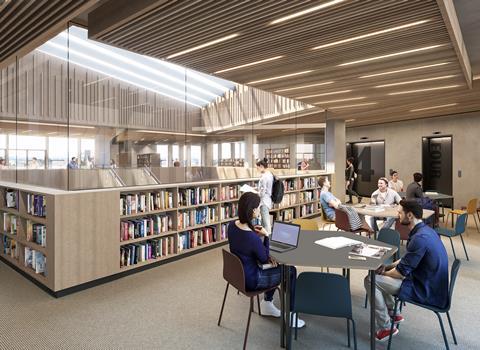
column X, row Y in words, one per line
column 421, row 275
column 328, row 201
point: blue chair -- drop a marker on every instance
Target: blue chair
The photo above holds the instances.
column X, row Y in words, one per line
column 460, row 226
column 324, row 294
column 438, row 311
column 392, row 237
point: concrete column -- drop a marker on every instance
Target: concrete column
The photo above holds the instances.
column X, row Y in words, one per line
column 336, row 154
column 208, row 154
column 250, row 139
column 188, row 155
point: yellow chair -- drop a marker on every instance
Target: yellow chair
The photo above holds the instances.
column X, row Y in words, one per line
column 325, row 220
column 471, row 210
column 306, row 224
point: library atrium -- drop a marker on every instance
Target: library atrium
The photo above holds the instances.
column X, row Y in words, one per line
column 140, row 139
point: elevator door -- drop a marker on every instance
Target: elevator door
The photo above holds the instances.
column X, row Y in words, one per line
column 437, row 164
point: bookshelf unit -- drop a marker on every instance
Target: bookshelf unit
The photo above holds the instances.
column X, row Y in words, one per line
column 278, row 158
column 92, row 236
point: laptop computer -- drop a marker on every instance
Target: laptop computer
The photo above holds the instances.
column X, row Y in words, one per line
column 284, row 236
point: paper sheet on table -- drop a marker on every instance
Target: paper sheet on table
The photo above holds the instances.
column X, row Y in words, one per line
column 369, row 250
column 431, row 192
column 336, row 242
column 246, row 188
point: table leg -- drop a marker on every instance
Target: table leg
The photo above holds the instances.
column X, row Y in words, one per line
column 372, row 309
column 287, row 308
column 282, row 305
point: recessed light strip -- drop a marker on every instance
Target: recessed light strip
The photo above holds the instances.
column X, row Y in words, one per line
column 326, row 94
column 341, row 100
column 433, row 107
column 415, row 81
column 306, row 11
column 391, row 55
column 354, row 106
column 422, row 90
column 169, row 133
column 371, row 34
column 404, row 70
column 249, row 64
column 305, row 86
column 210, row 43
column 280, row 77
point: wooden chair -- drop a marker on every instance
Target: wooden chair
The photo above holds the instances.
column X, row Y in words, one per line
column 342, row 223
column 471, row 209
column 234, row 274
column 306, row 224
column 325, row 219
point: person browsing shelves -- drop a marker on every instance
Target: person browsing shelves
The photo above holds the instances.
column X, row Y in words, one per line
column 384, row 196
column 395, row 183
column 251, row 244
column 265, row 185
column 421, row 275
column 328, row 201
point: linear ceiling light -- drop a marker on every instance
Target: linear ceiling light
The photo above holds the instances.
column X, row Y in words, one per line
column 422, row 90
column 341, row 100
column 249, row 64
column 356, row 105
column 326, row 94
column 306, row 11
column 476, row 77
column 304, row 86
column 415, row 81
column 210, row 43
column 433, row 107
column 169, row 133
column 371, row 34
column 280, row 77
column 403, row 70
column 391, row 55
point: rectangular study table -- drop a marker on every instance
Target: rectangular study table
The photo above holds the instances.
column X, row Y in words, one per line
column 389, row 211
column 310, row 254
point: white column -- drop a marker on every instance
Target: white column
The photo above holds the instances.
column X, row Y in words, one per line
column 336, row 154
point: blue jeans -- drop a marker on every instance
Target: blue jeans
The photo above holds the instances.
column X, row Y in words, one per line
column 272, row 278
column 265, row 213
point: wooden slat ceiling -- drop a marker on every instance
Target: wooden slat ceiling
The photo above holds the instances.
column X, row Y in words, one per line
column 26, row 24
column 175, row 26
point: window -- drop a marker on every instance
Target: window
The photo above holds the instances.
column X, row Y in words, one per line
column 196, row 155
column 226, row 151
column 215, row 154
column 175, row 153
column 255, row 151
column 87, row 152
column 60, row 151
column 163, row 151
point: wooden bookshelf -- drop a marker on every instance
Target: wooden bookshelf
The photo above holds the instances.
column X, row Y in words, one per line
column 278, row 158
column 83, row 228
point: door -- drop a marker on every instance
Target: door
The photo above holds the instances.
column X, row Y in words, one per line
column 437, row 164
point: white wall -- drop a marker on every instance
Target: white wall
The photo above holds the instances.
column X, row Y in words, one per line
column 403, row 148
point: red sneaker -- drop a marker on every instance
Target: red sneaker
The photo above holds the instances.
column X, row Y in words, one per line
column 398, row 319
column 383, row 334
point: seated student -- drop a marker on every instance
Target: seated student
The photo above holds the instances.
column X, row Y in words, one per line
column 414, row 190
column 395, row 183
column 384, row 195
column 421, row 275
column 245, row 241
column 328, row 201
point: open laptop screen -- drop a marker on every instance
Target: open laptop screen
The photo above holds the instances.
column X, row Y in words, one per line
column 285, row 233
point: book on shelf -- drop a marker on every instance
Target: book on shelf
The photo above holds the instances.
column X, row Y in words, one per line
column 10, row 247
column 196, row 216
column 35, row 260
column 287, row 214
column 135, row 203
column 132, row 254
column 307, row 209
column 11, row 197
column 309, row 182
column 144, row 227
column 224, row 231
column 36, row 233
column 197, row 195
column 10, row 223
column 307, row 196
column 228, row 211
column 36, row 205
column 289, row 199
column 229, row 192
column 290, row 184
column 194, row 238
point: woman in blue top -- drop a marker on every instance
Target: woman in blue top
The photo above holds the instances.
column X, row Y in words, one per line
column 251, row 244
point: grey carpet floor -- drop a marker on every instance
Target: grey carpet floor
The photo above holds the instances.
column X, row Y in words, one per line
column 176, row 306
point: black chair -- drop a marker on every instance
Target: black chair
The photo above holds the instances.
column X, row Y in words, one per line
column 459, row 230
column 438, row 311
column 324, row 294
column 234, row 274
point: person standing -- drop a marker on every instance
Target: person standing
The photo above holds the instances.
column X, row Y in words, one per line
column 395, row 183
column 414, row 190
column 265, row 185
column 421, row 275
column 350, row 177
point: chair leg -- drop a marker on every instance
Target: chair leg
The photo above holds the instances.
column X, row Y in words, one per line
column 392, row 324
column 258, row 304
column 296, row 325
column 453, row 249
column 354, row 334
column 366, row 300
column 451, row 328
column 248, row 323
column 476, row 223
column 348, row 332
column 223, row 305
column 465, row 249
column 443, row 330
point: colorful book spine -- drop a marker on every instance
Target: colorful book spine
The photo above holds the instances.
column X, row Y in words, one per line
column 197, row 216
column 195, row 196
column 144, row 227
column 228, row 211
column 10, row 223
column 10, row 247
column 36, row 205
column 132, row 254
column 36, row 261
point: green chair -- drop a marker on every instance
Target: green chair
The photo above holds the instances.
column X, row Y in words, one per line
column 459, row 230
column 436, row 310
column 314, row 293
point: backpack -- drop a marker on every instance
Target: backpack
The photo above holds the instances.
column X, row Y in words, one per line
column 277, row 190
column 428, row 203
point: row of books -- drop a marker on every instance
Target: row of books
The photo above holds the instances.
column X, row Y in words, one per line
column 286, row 215
column 144, row 227
column 145, row 202
column 224, row 231
column 36, row 205
column 290, row 184
column 36, row 233
column 10, row 223
column 11, row 198
column 36, row 260
column 195, row 238
column 228, row 211
column 288, row 200
column 197, row 195
column 132, row 254
column 197, row 216
column 306, row 196
column 307, row 209
column 10, row 247
column 229, row 192
column 308, row 182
